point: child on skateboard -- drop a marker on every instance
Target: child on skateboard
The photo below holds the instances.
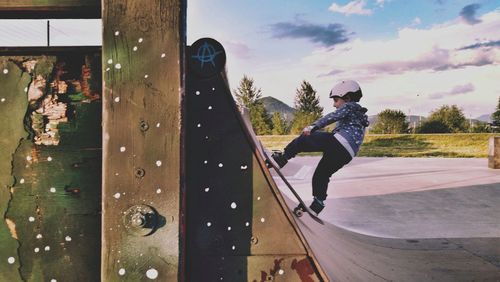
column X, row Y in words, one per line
column 338, row 147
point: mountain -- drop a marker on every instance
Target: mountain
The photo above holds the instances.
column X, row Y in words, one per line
column 484, row 118
column 273, row 105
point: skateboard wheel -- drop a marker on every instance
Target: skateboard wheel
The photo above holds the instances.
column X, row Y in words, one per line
column 298, row 212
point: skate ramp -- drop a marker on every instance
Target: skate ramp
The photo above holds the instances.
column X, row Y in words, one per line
column 231, row 188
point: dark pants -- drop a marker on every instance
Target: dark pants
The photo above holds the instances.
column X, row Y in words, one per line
column 335, row 156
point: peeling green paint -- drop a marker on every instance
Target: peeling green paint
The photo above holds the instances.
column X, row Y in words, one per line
column 54, row 190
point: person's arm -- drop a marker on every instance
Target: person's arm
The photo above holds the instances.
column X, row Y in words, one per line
column 326, row 120
column 332, row 117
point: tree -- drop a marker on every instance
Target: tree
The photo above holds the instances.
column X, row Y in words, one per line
column 495, row 118
column 280, row 126
column 307, row 107
column 433, row 126
column 481, row 127
column 450, row 116
column 390, row 122
column 247, row 95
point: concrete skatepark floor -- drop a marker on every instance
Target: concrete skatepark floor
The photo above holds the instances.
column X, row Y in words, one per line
column 407, row 197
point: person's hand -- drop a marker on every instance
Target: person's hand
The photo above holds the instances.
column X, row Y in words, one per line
column 309, row 129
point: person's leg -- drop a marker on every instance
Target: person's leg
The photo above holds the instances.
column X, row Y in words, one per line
column 316, row 142
column 331, row 162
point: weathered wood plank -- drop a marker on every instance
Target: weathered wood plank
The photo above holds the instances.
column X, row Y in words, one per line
column 38, row 9
column 141, row 128
column 54, row 199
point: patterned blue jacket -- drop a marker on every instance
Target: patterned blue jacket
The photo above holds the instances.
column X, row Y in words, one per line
column 351, row 121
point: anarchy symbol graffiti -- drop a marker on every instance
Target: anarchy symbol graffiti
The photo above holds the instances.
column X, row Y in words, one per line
column 206, row 54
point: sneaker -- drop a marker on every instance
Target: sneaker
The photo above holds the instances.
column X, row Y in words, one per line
column 317, row 205
column 279, row 158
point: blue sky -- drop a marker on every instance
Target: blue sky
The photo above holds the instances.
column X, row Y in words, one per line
column 414, row 56
column 409, row 55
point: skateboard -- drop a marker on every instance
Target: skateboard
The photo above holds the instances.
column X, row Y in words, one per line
column 302, row 207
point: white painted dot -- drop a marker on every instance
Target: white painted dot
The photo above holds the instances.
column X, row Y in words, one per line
column 53, row 280
column 158, row 125
column 197, row 93
column 31, row 219
column 122, row 149
column 209, row 224
column 117, row 99
column 158, row 191
column 198, row 125
column 281, row 272
column 39, row 236
column 5, row 71
column 117, row 196
column 118, row 66
column 146, row 76
column 247, row 223
column 140, row 40
column 11, row 260
column 207, row 189
column 205, row 162
column 52, row 190
column 107, row 69
column 152, row 273
column 262, row 219
column 233, row 247
column 68, row 239
column 117, row 33
column 28, row 158
column 49, row 159
column 135, row 48
column 163, row 55
column 244, row 167
column 25, row 89
column 229, row 228
column 2, row 100
column 233, row 205
column 158, row 163
column 47, row 248
column 258, row 198
column 121, row 271
column 209, row 107
column 21, row 181
column 213, row 88
column 221, row 165
column 110, row 61
column 37, row 250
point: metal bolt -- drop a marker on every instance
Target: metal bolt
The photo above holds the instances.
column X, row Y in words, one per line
column 254, row 240
column 138, row 220
column 144, row 126
column 139, row 172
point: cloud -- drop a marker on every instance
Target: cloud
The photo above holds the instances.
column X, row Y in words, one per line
column 416, row 21
column 436, row 49
column 239, row 49
column 356, row 7
column 457, row 90
column 482, row 44
column 468, row 14
column 328, row 36
column 381, row 2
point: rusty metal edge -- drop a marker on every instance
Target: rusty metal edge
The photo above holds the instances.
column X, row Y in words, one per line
column 92, row 11
column 315, row 263
column 182, row 127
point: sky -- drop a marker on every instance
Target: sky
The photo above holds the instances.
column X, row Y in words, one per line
column 413, row 56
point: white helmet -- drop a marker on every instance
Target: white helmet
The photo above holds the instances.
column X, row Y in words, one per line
column 345, row 87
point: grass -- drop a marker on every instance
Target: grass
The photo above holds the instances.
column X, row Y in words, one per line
column 462, row 145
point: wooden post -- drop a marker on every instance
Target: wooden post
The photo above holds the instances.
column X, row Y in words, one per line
column 142, row 55
column 494, row 152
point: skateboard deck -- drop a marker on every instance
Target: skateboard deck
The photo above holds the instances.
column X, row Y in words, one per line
column 298, row 211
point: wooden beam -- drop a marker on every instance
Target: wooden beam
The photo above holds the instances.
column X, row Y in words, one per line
column 55, row 9
column 142, row 62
